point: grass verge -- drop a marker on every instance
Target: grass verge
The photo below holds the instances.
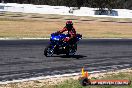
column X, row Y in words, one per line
column 75, row 84
column 72, row 82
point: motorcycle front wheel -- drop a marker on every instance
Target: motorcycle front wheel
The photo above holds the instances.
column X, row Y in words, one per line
column 49, row 51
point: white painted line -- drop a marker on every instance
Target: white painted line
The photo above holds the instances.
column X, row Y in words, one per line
column 47, row 77
column 56, row 76
column 23, row 38
column 49, row 38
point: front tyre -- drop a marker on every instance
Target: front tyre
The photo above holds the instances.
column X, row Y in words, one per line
column 49, row 51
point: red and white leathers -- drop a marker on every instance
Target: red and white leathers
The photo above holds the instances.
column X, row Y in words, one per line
column 71, row 32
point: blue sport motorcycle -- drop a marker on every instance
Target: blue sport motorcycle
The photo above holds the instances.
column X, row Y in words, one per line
column 58, row 46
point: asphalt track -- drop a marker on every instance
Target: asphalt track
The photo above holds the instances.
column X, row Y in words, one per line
column 21, row 59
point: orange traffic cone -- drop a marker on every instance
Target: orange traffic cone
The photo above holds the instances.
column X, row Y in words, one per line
column 84, row 74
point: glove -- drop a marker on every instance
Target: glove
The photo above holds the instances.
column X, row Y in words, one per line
column 66, row 39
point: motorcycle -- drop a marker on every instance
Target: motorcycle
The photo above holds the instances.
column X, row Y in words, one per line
column 58, row 46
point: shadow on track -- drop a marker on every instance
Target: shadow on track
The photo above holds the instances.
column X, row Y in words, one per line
column 74, row 56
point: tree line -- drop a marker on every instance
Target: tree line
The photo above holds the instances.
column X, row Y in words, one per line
column 116, row 4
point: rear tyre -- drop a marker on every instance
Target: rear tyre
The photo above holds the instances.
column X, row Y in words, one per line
column 48, row 52
column 71, row 50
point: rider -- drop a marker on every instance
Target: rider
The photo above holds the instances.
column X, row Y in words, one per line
column 70, row 30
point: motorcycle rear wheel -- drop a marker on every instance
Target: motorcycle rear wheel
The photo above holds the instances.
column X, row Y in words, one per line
column 70, row 51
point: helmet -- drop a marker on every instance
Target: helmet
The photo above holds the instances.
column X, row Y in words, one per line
column 69, row 24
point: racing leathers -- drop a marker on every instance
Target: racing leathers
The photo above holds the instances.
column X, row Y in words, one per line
column 72, row 34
